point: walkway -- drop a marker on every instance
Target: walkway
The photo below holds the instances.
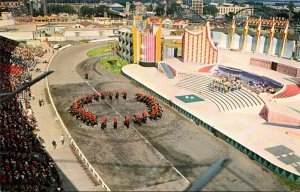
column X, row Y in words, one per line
column 73, row 175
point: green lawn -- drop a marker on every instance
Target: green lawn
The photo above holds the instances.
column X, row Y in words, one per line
column 172, row 44
column 113, row 64
column 99, row 50
column 292, row 185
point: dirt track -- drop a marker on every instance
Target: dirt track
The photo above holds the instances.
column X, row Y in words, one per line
column 125, row 161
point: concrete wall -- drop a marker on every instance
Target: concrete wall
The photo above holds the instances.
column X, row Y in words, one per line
column 7, row 22
column 87, row 35
column 18, row 36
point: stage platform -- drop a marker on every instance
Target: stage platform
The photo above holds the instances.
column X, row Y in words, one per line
column 245, row 126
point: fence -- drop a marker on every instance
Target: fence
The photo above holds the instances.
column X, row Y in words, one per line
column 252, row 155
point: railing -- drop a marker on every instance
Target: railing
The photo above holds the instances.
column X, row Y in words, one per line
column 73, row 143
column 252, row 155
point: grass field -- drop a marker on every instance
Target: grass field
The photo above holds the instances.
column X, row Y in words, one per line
column 293, row 186
column 99, row 50
column 113, row 64
column 172, row 44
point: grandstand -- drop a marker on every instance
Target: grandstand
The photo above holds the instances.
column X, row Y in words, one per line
column 24, row 163
column 199, row 84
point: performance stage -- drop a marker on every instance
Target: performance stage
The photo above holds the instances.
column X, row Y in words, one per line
column 244, row 125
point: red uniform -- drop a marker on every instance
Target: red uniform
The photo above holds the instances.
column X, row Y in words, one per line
column 115, row 122
column 104, row 120
column 145, row 114
column 102, row 94
column 115, row 119
column 110, row 95
column 117, row 94
column 127, row 118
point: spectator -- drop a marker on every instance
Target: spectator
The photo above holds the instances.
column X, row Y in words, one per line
column 54, row 144
column 62, row 139
column 24, row 164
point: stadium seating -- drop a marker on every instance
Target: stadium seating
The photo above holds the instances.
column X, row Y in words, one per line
column 24, row 164
column 199, row 84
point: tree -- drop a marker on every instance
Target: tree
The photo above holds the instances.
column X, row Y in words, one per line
column 160, row 9
column 132, row 7
column 284, row 15
column 85, row 11
column 210, row 10
column 99, row 11
column 229, row 16
column 291, row 6
column 234, row 3
column 61, row 9
column 173, row 8
column 149, row 8
column 296, row 16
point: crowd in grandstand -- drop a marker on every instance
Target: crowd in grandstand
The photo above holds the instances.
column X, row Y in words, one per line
column 24, row 164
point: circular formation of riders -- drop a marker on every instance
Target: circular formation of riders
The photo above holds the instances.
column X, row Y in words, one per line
column 77, row 110
column 90, row 119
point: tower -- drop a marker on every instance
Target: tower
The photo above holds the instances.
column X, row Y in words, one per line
column 197, row 6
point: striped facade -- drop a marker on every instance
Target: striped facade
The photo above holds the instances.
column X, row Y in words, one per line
column 146, row 46
column 198, row 47
column 149, row 48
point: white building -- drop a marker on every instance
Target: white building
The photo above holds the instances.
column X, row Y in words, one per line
column 6, row 19
column 73, row 34
column 241, row 10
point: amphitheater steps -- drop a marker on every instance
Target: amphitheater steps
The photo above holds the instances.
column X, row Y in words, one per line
column 239, row 99
column 220, row 104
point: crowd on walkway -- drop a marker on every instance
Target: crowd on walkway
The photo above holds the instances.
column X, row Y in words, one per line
column 24, row 163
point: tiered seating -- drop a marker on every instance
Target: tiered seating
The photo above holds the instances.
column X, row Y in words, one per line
column 11, row 69
column 199, row 84
column 24, row 164
column 290, row 90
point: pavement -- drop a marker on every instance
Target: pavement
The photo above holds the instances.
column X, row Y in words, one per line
column 73, row 175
